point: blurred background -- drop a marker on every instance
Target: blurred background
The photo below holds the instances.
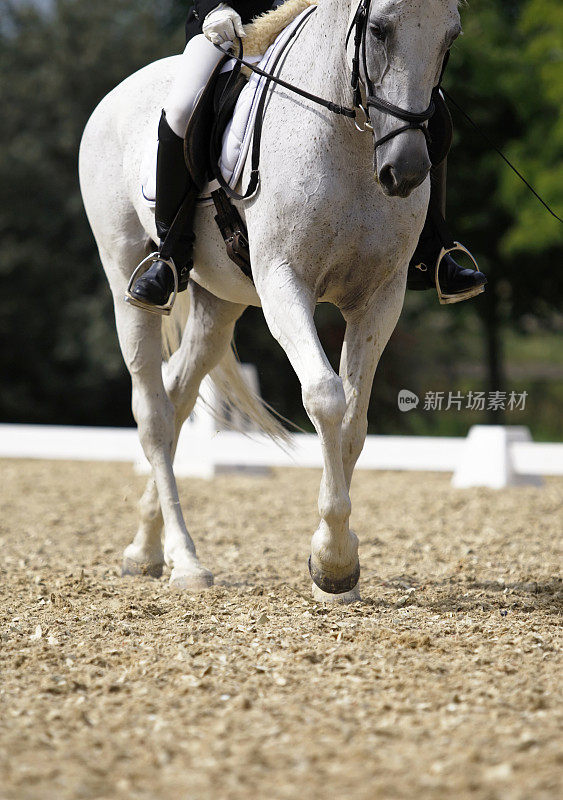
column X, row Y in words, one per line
column 59, row 359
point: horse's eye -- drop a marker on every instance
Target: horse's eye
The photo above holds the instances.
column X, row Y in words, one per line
column 377, row 31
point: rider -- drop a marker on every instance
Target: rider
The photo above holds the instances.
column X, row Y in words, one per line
column 221, row 24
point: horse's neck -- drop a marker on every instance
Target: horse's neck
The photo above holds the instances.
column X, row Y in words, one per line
column 317, row 62
column 319, row 57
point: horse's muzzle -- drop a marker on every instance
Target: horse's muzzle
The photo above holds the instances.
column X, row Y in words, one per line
column 402, row 166
column 394, row 184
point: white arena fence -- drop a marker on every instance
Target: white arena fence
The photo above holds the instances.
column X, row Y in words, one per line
column 491, row 455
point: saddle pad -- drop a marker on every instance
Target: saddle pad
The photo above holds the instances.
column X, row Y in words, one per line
column 238, row 133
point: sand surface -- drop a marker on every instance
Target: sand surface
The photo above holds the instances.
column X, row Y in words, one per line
column 445, row 682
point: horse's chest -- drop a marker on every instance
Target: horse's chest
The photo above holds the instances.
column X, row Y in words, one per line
column 321, row 211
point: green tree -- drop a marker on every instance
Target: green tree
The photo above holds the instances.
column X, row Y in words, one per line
column 507, row 73
column 539, row 149
column 59, row 359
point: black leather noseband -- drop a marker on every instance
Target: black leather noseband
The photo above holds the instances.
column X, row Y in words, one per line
column 414, row 121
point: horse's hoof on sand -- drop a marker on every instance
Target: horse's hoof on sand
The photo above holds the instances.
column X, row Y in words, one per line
column 131, row 567
column 353, row 596
column 191, row 582
column 332, row 585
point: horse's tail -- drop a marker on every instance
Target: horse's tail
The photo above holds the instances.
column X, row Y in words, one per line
column 227, row 376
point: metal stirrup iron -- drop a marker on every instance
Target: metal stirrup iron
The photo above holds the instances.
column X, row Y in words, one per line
column 143, row 267
column 458, row 296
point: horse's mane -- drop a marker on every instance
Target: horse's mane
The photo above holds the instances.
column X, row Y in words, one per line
column 264, row 29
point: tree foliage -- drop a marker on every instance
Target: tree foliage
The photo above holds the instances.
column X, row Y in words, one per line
column 508, row 72
column 56, row 316
column 60, row 361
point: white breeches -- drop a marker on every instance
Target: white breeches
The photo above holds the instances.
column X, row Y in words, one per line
column 197, row 62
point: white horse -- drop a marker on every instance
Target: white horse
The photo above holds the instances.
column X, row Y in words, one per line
column 333, row 221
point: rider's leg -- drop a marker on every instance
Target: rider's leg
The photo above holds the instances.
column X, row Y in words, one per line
column 456, row 283
column 174, row 184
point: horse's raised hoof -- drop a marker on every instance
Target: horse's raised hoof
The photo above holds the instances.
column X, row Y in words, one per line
column 131, row 567
column 353, row 596
column 191, row 582
column 332, row 585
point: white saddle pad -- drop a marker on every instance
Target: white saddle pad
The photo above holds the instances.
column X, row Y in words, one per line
column 238, row 133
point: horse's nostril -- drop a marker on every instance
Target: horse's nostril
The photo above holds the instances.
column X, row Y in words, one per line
column 387, row 176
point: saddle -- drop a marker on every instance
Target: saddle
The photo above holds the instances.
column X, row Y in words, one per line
column 206, row 142
column 212, row 111
column 202, row 149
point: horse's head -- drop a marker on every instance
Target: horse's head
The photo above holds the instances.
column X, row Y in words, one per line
column 405, row 45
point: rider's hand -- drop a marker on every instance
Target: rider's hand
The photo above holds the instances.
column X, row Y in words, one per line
column 223, row 24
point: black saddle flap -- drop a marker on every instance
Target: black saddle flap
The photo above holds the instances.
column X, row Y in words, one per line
column 198, row 132
column 211, row 113
column 440, row 128
column 227, row 91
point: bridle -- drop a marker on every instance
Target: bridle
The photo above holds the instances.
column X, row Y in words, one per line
column 359, row 26
column 414, row 120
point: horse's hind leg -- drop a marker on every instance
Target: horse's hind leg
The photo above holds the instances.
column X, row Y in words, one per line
column 205, row 340
column 207, row 336
column 140, row 339
column 144, row 556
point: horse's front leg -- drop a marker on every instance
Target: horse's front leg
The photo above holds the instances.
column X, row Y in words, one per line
column 366, row 337
column 288, row 307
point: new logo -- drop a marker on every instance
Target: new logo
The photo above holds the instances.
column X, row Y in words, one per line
column 407, row 400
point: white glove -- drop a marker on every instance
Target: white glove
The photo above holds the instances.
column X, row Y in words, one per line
column 223, row 24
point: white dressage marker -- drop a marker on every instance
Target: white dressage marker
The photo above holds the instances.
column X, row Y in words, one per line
column 230, row 450
column 488, row 458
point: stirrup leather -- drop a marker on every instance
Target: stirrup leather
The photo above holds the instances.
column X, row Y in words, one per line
column 144, row 266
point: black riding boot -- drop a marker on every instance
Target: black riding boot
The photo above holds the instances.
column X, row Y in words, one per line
column 174, row 189
column 454, row 283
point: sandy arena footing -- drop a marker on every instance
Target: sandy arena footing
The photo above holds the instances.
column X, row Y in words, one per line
column 444, row 682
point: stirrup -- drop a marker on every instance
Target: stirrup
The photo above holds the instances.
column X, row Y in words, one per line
column 144, row 266
column 458, row 296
